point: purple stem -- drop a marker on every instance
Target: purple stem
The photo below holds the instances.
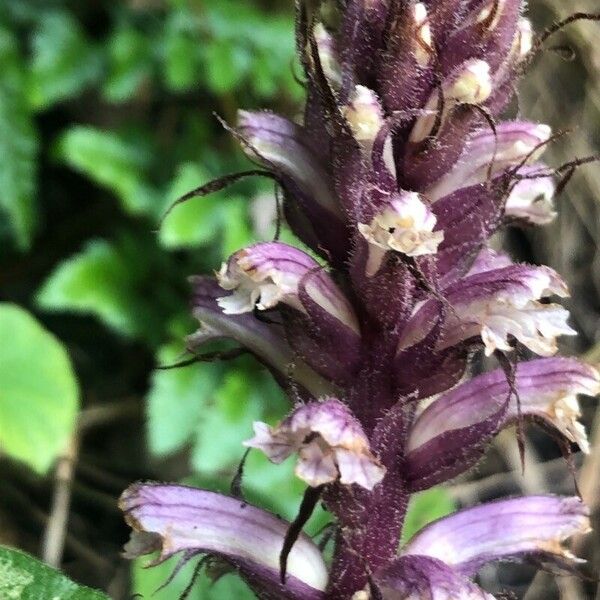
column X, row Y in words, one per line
column 370, row 522
column 370, row 529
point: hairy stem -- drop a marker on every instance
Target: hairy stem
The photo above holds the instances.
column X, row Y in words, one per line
column 370, row 530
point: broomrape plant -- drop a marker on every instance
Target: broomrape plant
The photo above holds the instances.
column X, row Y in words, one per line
column 396, row 180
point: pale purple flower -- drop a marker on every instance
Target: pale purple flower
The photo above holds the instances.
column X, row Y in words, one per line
column 329, row 441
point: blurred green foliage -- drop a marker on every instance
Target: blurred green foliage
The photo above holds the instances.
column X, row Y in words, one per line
column 106, row 118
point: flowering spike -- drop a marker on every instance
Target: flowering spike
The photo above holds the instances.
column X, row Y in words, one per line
column 399, row 174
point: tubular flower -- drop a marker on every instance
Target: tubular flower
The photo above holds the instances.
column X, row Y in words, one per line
column 405, row 226
column 395, row 179
column 330, row 443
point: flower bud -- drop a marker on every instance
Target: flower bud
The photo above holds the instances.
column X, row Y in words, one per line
column 328, row 56
column 470, row 84
column 523, row 39
column 424, row 38
column 364, row 115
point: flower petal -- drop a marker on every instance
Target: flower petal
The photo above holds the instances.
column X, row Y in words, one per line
column 532, row 527
column 187, row 519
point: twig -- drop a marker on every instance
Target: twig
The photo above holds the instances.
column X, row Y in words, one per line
column 108, row 413
column 56, row 529
column 77, row 547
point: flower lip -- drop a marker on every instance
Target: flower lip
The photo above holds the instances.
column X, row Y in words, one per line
column 329, row 441
column 269, row 273
column 405, row 226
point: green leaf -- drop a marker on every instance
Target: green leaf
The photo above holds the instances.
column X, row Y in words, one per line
column 130, row 63
column 103, row 280
column 23, row 577
column 38, row 390
column 63, row 63
column 146, row 582
column 177, row 401
column 425, row 508
column 195, row 222
column 18, row 145
column 111, row 161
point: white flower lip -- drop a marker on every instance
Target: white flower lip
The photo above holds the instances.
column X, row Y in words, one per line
column 252, row 288
column 405, row 226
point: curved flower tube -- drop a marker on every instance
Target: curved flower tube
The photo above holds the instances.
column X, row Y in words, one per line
column 451, row 433
column 532, row 527
column 178, row 519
